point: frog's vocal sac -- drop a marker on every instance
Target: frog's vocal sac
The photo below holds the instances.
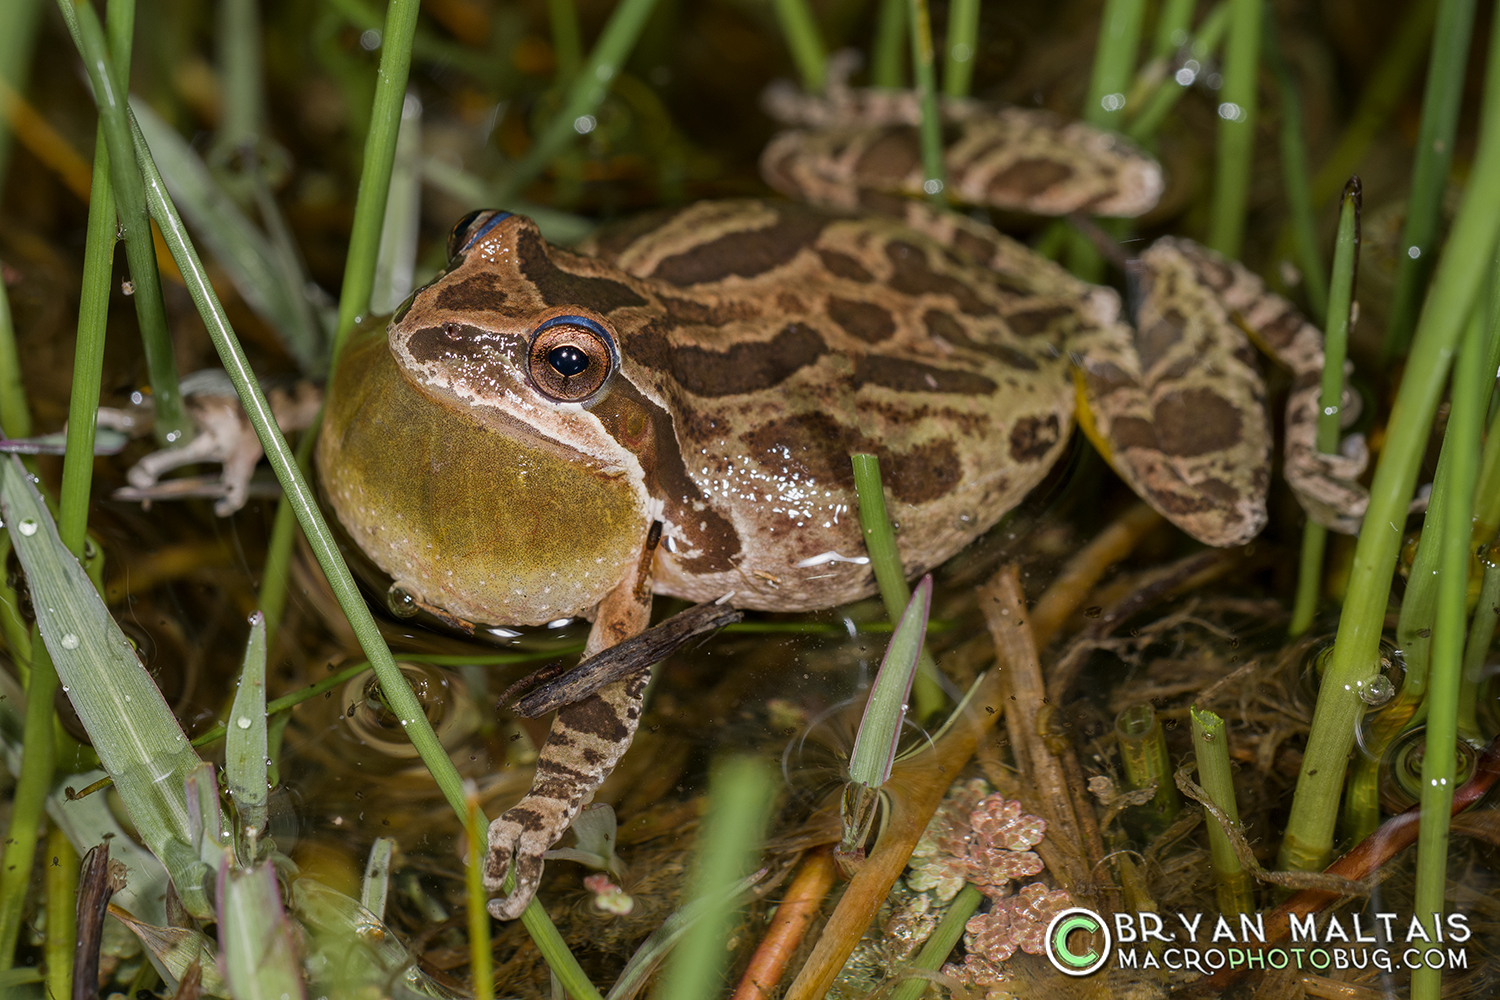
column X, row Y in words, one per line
column 504, row 448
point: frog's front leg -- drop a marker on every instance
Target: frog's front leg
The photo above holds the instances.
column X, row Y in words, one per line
column 586, row 741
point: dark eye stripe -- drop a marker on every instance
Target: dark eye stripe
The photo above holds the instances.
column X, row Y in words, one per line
column 494, row 221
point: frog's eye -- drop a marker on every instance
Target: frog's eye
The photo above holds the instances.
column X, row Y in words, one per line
column 570, row 358
column 471, row 227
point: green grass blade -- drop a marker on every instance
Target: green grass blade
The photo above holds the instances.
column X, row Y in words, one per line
column 19, row 21
column 584, row 96
column 1211, row 749
column 133, row 730
column 258, row 945
column 739, row 799
column 108, row 68
column 375, row 886
column 1173, row 27
column 655, row 948
column 800, row 29
column 1429, row 177
column 963, row 46
column 1294, row 172
column 245, row 742
column 567, row 40
column 247, row 256
column 15, row 415
column 935, row 949
column 375, row 174
column 885, row 712
column 481, row 962
column 1237, row 109
column 1159, row 103
column 1472, row 382
column 931, row 129
column 1462, row 265
column 396, row 264
column 888, row 62
column 1114, row 62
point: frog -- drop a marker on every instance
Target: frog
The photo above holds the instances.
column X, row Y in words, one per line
column 542, row 433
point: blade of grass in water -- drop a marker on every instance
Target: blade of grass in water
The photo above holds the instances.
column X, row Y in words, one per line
column 567, row 40
column 245, row 739
column 108, row 74
column 132, row 728
column 935, row 949
column 258, row 945
column 963, row 46
column 880, row 728
column 1294, row 173
column 888, row 59
column 1470, row 393
column 1173, row 27
column 584, row 96
column 931, row 128
column 1429, row 176
column 1211, row 749
column 890, row 578
column 1236, row 151
column 800, row 29
column 1201, row 47
column 375, row 173
column 739, row 800
column 1463, row 263
column 481, row 963
column 398, row 693
column 1335, row 346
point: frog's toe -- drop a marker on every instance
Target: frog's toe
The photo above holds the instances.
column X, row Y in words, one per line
column 1211, row 508
column 514, row 838
column 1327, row 485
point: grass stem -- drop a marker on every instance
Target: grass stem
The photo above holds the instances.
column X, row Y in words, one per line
column 1174, row 26
column 1294, row 174
column 1115, row 54
column 567, row 39
column 963, row 47
column 1429, row 178
column 888, row 59
column 1216, row 774
column 481, row 962
column 802, row 37
column 940, row 944
column 1462, row 266
column 1237, row 110
column 931, row 129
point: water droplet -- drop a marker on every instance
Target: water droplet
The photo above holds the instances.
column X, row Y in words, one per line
column 243, row 722
column 400, row 603
column 28, row 526
column 70, row 641
column 127, row 697
column 1377, row 690
column 66, row 689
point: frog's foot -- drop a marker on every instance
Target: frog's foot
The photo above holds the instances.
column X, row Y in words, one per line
column 587, row 740
column 223, row 435
column 1326, row 485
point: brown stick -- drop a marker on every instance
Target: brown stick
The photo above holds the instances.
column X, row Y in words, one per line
column 793, row 917
column 1088, row 564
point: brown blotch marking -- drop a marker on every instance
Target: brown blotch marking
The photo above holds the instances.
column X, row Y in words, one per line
column 1213, row 273
column 845, row 266
column 1280, row 332
column 745, row 367
column 479, row 292
column 1033, row 437
column 1155, row 340
column 1208, row 495
column 525, row 817
column 891, row 157
column 1027, row 179
column 656, row 445
column 1196, row 421
column 952, row 331
column 748, row 252
column 1042, row 319
column 863, row 320
column 564, row 288
column 911, row 274
column 708, row 313
column 882, row 202
column 596, row 717
column 924, row 473
column 979, row 250
column 904, row 375
column 1132, row 432
column 433, row 344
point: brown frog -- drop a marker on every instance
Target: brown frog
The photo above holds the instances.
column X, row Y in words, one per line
column 512, row 446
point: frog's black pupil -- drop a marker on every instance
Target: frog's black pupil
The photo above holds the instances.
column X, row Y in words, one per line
column 568, row 360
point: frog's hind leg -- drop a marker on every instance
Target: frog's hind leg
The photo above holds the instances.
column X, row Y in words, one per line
column 1178, row 407
column 1326, row 485
column 587, row 739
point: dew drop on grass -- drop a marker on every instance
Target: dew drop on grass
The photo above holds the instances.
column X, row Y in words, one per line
column 70, row 641
column 28, row 526
column 243, row 722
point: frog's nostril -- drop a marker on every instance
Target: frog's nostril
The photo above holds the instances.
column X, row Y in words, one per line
column 568, row 360
column 452, row 332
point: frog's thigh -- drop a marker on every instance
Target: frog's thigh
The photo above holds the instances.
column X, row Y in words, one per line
column 1179, row 407
column 586, row 741
column 1327, row 485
